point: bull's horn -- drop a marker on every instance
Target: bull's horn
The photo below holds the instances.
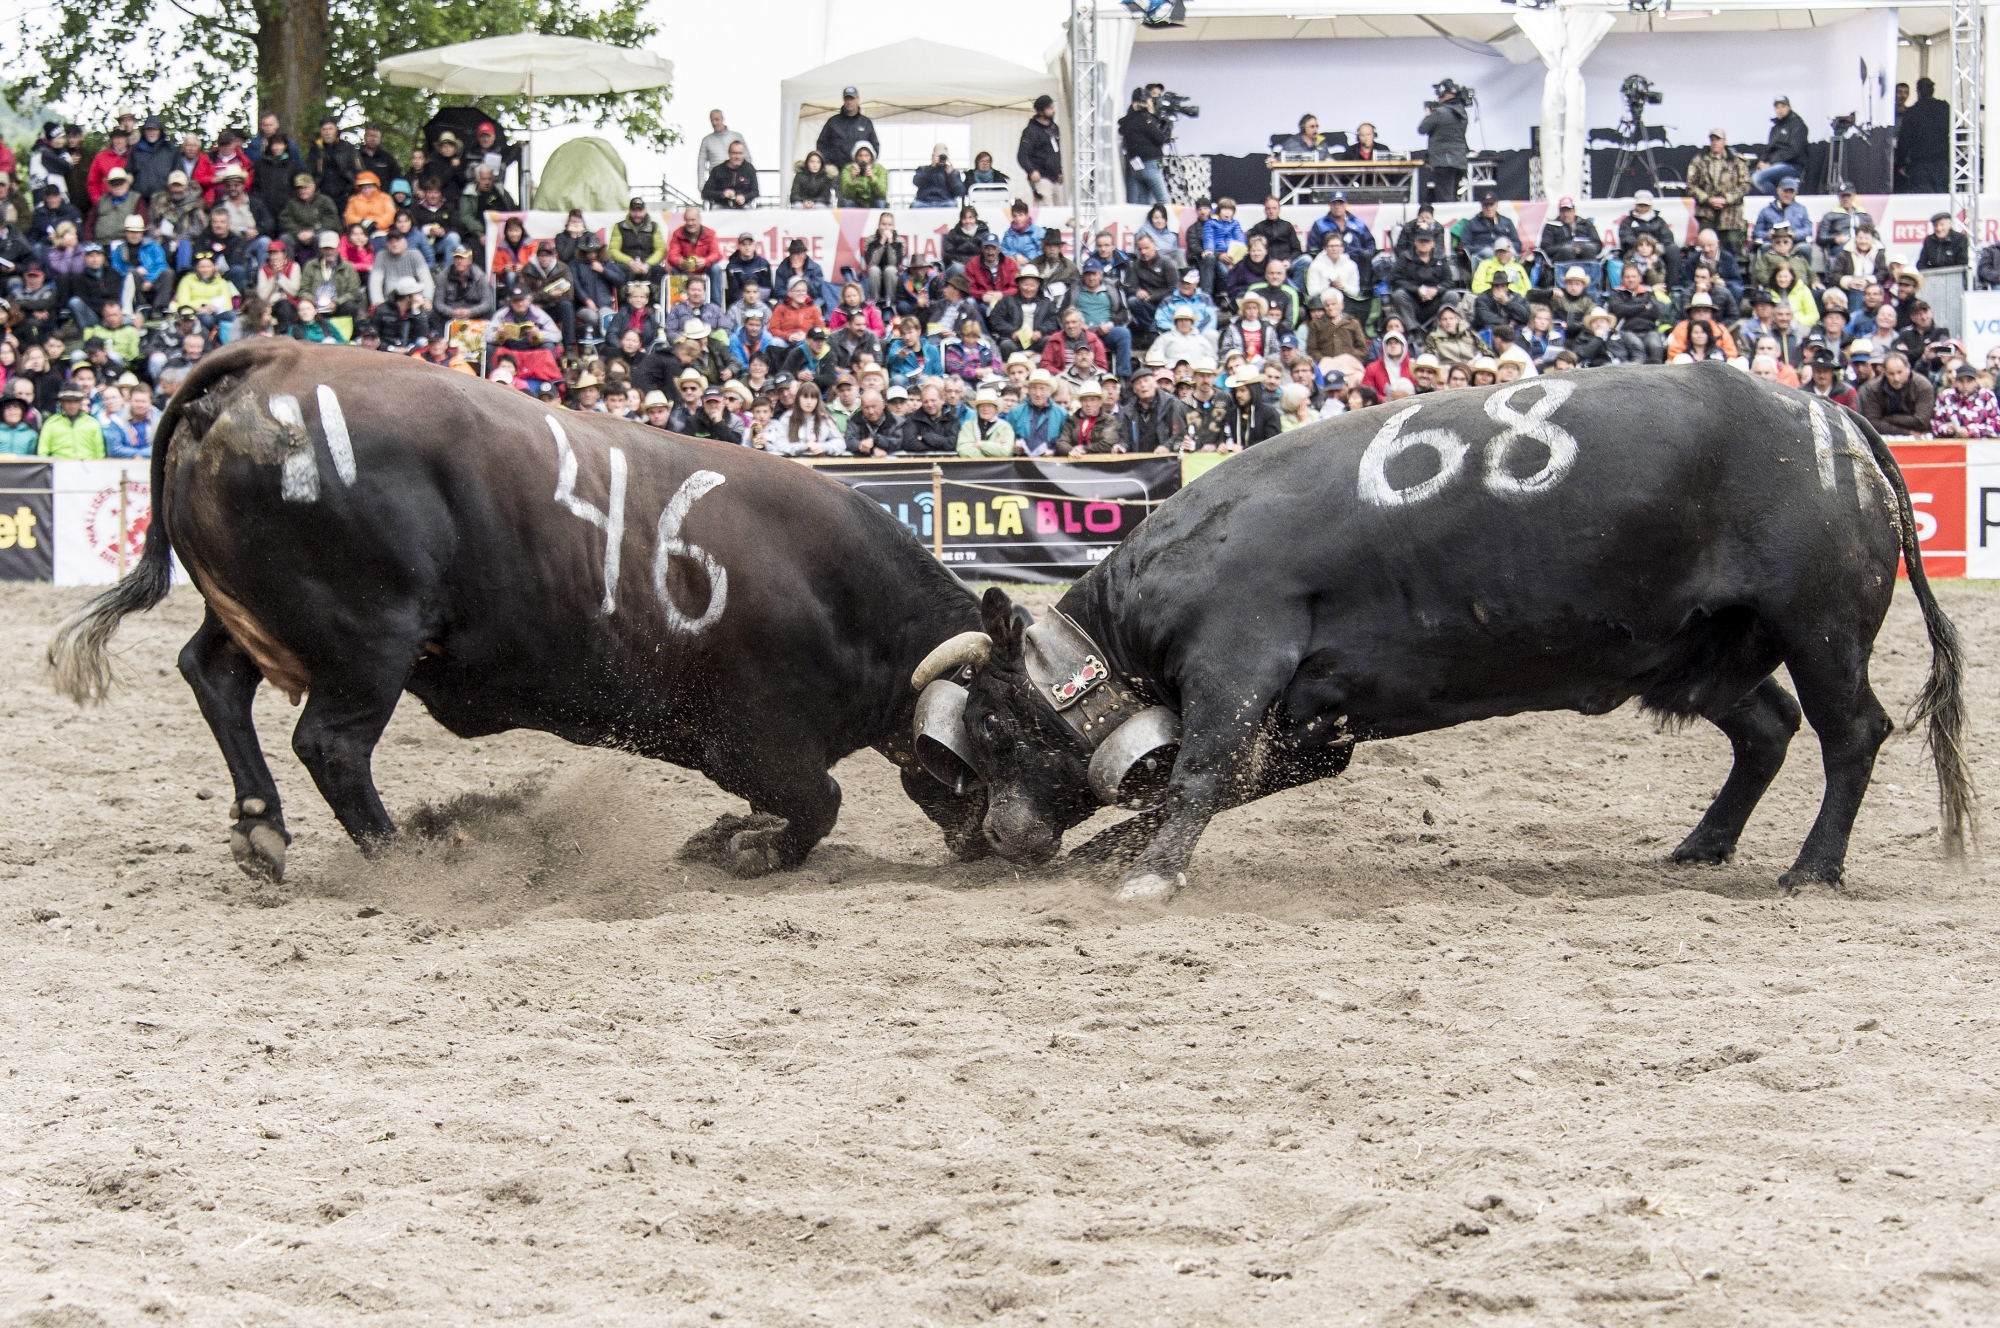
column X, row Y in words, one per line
column 973, row 648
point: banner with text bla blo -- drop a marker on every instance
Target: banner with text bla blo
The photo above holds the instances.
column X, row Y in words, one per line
column 1025, row 519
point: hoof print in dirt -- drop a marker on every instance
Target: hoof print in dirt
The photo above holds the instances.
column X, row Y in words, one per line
column 258, row 841
column 744, row 846
column 1151, row 888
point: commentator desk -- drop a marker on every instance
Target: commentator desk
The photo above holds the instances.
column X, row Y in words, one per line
column 1378, row 181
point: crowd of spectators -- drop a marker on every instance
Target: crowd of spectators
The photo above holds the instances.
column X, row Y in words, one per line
column 128, row 264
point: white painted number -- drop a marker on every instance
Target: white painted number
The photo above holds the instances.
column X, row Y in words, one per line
column 333, row 422
column 1532, row 423
column 1391, row 443
column 1500, row 480
column 611, row 522
column 671, row 545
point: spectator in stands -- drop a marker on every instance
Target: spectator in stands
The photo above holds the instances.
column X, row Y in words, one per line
column 1059, row 354
column 959, row 246
column 210, row 294
column 1861, row 262
column 1280, row 297
column 1923, row 144
column 1040, row 151
column 1027, row 318
column 798, row 315
column 1500, row 259
column 1945, row 246
column 1223, row 244
column 1784, row 154
column 1792, row 291
column 863, row 182
column 806, row 428
column 1543, row 337
column 1720, row 262
column 1333, row 269
column 462, row 291
column 1453, row 342
column 1644, row 219
column 986, row 434
column 1331, row 331
column 882, row 257
column 1252, row 413
column 1059, row 274
column 872, row 430
column 1307, row 142
column 1498, row 305
column 731, row 182
column 1569, row 238
column 1785, row 209
column 751, row 301
column 369, row 205
column 692, row 247
column 1701, row 314
column 744, row 264
column 1187, row 296
column 1595, row 344
column 936, row 183
column 1646, row 257
column 1150, row 280
column 1143, row 137
column 71, row 434
column 1281, row 240
column 1421, row 283
column 694, row 306
column 1781, row 252
column 1486, row 227
column 982, row 173
column 1839, row 223
column 1965, row 409
column 844, row 129
column 992, row 274
column 1022, row 240
column 1704, row 342
column 714, row 149
column 1037, row 422
column 812, row 182
column 638, row 242
column 1923, row 342
column 1899, row 401
column 912, row 357
column 920, row 292
column 1447, row 159
column 118, row 201
column 113, row 157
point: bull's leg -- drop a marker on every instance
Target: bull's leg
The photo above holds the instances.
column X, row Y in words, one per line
column 795, row 803
column 225, row 682
column 960, row 817
column 1832, row 679
column 1759, row 727
column 335, row 739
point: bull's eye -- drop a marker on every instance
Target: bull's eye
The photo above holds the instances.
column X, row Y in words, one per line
column 991, row 726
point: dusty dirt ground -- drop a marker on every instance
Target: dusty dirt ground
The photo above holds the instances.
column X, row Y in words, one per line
column 1445, row 1038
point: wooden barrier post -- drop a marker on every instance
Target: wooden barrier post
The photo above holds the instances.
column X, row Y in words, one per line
column 937, row 511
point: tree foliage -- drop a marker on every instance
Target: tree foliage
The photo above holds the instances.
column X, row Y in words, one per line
column 191, row 62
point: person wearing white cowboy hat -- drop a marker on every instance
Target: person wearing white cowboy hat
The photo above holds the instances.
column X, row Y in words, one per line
column 1250, row 419
column 1037, row 422
column 1426, row 371
column 1514, row 363
column 1483, row 364
column 1183, row 342
column 1088, row 429
column 986, row 434
column 657, row 408
column 1596, row 345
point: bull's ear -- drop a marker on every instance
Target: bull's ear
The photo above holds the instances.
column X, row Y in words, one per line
column 996, row 613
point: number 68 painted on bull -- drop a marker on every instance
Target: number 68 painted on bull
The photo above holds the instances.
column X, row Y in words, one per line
column 1501, row 480
column 668, row 544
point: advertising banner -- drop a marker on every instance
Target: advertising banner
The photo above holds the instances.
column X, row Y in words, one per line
column 101, row 512
column 1047, row 519
column 27, row 521
column 1982, row 509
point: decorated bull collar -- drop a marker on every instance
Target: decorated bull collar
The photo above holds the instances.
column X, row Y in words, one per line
column 1070, row 672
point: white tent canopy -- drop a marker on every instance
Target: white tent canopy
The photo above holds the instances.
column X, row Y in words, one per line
column 921, row 81
column 528, row 64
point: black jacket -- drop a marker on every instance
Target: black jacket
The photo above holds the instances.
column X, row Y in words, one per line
column 841, row 132
column 1924, row 136
column 1445, row 128
column 922, row 434
column 1412, row 272
column 1788, row 140
column 334, row 166
column 743, row 179
column 886, row 433
column 1951, row 251
column 1251, row 424
column 936, row 186
column 1161, row 424
column 1556, row 235
column 1155, row 281
column 1041, row 149
column 1143, row 134
column 1006, row 316
column 1489, row 312
column 959, row 248
column 1281, row 239
column 378, row 160
column 1630, row 229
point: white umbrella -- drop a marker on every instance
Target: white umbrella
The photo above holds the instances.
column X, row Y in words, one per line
column 529, row 65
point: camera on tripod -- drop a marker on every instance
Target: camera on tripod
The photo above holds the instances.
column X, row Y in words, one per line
column 1638, row 90
column 1446, row 89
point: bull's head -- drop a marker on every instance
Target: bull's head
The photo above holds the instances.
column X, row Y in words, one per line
column 984, row 719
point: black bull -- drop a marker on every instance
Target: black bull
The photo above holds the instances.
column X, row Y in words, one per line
column 1567, row 543
column 361, row 525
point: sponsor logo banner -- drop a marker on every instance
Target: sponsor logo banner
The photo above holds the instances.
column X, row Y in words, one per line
column 27, row 521
column 1026, row 519
column 102, row 509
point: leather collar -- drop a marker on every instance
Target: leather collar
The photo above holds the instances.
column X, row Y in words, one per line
column 1071, row 673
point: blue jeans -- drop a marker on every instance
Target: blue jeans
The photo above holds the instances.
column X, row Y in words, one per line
column 440, row 250
column 85, row 319
column 1766, row 180
column 1146, row 185
column 1118, row 340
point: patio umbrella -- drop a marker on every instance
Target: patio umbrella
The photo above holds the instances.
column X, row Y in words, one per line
column 530, row 65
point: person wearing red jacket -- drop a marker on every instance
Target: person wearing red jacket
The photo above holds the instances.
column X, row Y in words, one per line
column 1060, row 351
column 991, row 275
column 693, row 248
column 104, row 163
column 1386, row 365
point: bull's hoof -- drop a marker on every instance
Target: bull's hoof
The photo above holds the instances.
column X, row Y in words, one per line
column 969, row 844
column 1703, row 853
column 744, row 846
column 259, row 851
column 1151, row 888
column 1798, row 878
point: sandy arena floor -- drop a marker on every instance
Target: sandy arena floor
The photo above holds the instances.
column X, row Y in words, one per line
column 1443, row 1039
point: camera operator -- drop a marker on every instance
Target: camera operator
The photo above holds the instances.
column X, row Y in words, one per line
column 1143, row 135
column 1444, row 128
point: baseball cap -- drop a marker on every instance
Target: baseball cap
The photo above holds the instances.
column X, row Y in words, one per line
column 1337, row 196
column 896, row 394
column 816, row 333
column 1719, row 132
column 177, row 176
column 1642, row 196
column 1565, row 202
column 849, row 91
column 1789, row 182
column 1965, row 371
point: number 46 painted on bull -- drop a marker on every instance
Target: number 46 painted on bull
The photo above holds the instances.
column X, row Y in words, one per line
column 668, row 544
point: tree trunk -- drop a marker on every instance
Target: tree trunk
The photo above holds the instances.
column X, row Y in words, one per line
column 291, row 64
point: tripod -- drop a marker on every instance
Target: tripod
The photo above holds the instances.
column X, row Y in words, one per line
column 1635, row 147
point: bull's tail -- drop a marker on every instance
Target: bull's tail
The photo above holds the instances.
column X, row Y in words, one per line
column 79, row 654
column 1940, row 706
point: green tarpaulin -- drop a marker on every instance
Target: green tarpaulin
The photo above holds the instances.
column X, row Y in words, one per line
column 583, row 173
